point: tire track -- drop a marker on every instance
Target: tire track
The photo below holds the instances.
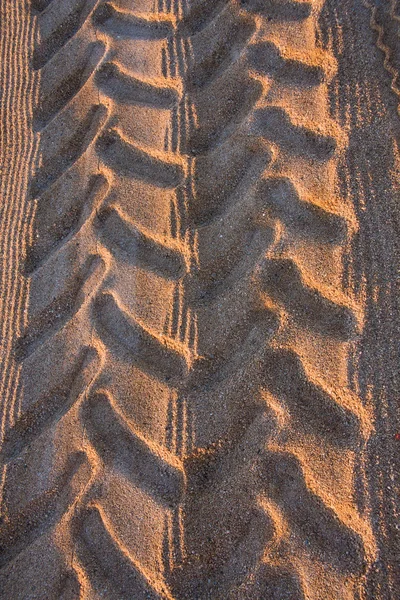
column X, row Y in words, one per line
column 76, row 131
column 255, row 303
column 43, row 408
column 188, row 330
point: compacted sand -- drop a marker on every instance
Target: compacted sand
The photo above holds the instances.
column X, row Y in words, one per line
column 198, row 307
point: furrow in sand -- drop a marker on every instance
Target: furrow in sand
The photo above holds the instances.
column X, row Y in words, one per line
column 148, row 466
column 132, row 161
column 61, row 222
column 17, row 159
column 51, row 405
column 126, row 89
column 140, row 246
column 22, row 529
column 61, row 92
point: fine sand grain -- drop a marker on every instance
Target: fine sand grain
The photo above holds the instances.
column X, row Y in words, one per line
column 199, row 311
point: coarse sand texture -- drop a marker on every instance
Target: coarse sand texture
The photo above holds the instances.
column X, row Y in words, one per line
column 199, row 303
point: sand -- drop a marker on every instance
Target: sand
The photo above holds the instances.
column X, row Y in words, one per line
column 199, row 311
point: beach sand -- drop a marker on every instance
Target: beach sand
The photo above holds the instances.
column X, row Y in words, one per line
column 199, row 307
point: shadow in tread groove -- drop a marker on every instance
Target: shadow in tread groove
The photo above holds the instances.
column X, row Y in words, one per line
column 283, row 481
column 281, row 10
column 215, row 127
column 121, row 448
column 266, row 58
column 200, row 14
column 317, row 411
column 121, row 332
column 126, row 25
column 42, row 513
column 218, row 47
column 70, row 15
column 118, row 234
column 126, row 89
column 69, row 588
column 279, row 197
column 131, row 161
column 55, row 100
column 40, row 5
column 244, row 160
column 282, row 280
column 56, row 224
column 62, row 308
column 275, row 124
column 50, row 409
column 107, row 564
column 73, row 148
column 272, row 583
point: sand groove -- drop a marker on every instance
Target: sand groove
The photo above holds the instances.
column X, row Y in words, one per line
column 187, row 427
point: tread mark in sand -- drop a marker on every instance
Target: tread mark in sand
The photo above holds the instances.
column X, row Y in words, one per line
column 168, row 110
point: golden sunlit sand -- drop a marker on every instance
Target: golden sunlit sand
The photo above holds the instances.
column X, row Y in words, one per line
column 199, row 315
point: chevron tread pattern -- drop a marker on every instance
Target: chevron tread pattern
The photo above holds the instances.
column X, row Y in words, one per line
column 186, row 403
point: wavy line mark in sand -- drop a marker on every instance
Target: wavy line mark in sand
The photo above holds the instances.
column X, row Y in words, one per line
column 386, row 24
